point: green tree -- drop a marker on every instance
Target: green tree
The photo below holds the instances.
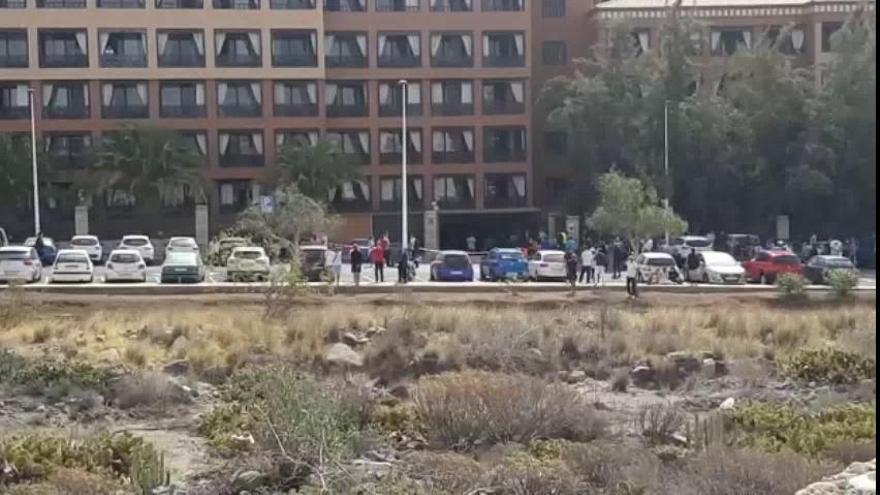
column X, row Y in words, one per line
column 15, row 169
column 629, row 208
column 317, row 169
column 148, row 161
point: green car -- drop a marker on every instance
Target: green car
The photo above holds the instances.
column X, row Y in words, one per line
column 183, row 267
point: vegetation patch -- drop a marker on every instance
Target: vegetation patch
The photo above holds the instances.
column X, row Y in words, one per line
column 792, row 287
column 828, row 365
column 49, row 377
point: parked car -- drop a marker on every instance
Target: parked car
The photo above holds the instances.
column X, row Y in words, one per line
column 49, row 251
column 72, row 265
column 717, row 267
column 452, row 266
column 547, row 264
column 90, row 244
column 818, row 268
column 219, row 250
column 683, row 245
column 504, row 264
column 20, row 264
column 125, row 265
column 767, row 265
column 181, row 245
column 141, row 244
column 314, row 262
column 247, row 263
column 183, row 267
column 654, row 268
column 742, row 246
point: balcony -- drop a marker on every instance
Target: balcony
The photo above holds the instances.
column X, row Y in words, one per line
column 394, row 109
column 238, row 60
column 505, row 202
column 345, row 61
column 451, row 6
column 79, row 111
column 394, row 205
column 125, row 112
column 456, row 203
column 55, row 61
column 286, row 60
column 182, row 111
column 295, row 109
column 399, row 60
column 447, row 109
column 236, row 4
column 396, row 157
column 123, row 60
column 61, row 4
column 452, row 156
column 496, row 107
column 14, row 113
column 181, row 60
column 13, row 4
column 241, row 160
column 292, row 4
column 452, row 60
column 348, row 110
column 13, row 61
column 232, row 110
column 345, row 5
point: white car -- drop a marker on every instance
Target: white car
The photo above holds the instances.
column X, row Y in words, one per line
column 72, row 265
column 685, row 244
column 141, row 244
column 654, row 268
column 125, row 265
column 717, row 267
column 20, row 264
column 247, row 262
column 547, row 264
column 90, row 244
column 181, row 245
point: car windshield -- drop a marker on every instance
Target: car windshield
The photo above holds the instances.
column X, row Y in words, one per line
column 719, row 259
column 13, row 255
column 510, row 256
column 136, row 242
column 456, row 261
column 83, row 241
column 124, row 258
column 553, row 258
column 838, row 263
column 32, row 241
column 787, row 259
column 183, row 243
column 660, row 262
column 72, row 258
column 181, row 259
column 697, row 242
column 248, row 255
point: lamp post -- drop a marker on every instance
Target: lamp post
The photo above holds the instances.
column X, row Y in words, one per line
column 37, row 228
column 666, row 165
column 403, row 185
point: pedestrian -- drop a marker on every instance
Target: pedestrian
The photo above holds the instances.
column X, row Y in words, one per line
column 377, row 256
column 587, row 267
column 336, row 266
column 836, row 247
column 357, row 259
column 693, row 263
column 471, row 242
column 571, row 267
column 385, row 244
column 571, row 245
column 414, row 250
column 403, row 268
column 631, row 277
column 599, row 262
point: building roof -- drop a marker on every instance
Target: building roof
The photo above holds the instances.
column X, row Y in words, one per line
column 661, row 4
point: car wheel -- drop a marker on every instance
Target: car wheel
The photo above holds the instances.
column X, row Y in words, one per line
column 705, row 278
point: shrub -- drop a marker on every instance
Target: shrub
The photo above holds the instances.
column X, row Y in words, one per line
column 224, row 425
column 49, row 377
column 792, row 286
column 658, row 422
column 470, row 407
column 620, row 381
column 612, row 467
column 776, row 427
column 843, row 282
column 148, row 389
column 828, row 365
column 742, row 472
column 442, row 472
column 522, row 474
column 71, row 482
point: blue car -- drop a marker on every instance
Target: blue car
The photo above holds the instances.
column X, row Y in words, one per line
column 452, row 266
column 504, row 264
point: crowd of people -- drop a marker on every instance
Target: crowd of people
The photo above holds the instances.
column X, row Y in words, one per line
column 379, row 255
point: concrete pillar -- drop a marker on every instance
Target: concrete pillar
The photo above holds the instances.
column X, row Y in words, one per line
column 432, row 230
column 81, row 220
column 202, row 227
column 573, row 227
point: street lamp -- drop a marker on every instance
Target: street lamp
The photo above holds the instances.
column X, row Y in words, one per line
column 666, row 165
column 403, row 187
column 34, row 163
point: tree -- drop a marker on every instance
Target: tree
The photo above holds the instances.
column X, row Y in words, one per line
column 317, row 169
column 146, row 161
column 15, row 170
column 629, row 208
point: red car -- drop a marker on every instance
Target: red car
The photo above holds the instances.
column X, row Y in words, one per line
column 765, row 266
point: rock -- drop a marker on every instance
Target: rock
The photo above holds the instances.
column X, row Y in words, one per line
column 375, row 330
column 243, row 440
column 536, row 352
column 643, row 376
column 863, row 484
column 248, row 480
column 342, row 354
column 179, row 346
column 727, row 404
column 353, row 340
column 177, row 367
column 859, row 478
column 576, row 376
column 375, row 469
column 685, row 362
column 714, row 368
column 400, row 391
column 162, row 336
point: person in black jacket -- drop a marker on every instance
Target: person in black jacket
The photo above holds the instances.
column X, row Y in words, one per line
column 693, row 262
column 357, row 259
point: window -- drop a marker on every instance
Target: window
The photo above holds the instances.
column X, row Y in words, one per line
column 296, row 98
column 556, row 142
column 121, row 4
column 351, row 195
column 397, row 5
column 452, row 50
column 63, row 48
column 297, row 139
column 503, row 5
column 391, row 151
column 345, row 5
column 454, row 191
column 68, row 150
column 346, row 99
column 504, row 144
column 399, row 49
column 182, row 99
column 504, row 49
column 553, row 53
column 179, row 4
column 13, row 48
column 294, row 48
column 355, row 144
column 726, row 41
column 391, row 194
column 345, row 49
column 124, row 100
column 237, row 4
column 238, row 49
column 792, row 44
column 451, row 6
column 503, row 97
column 391, row 98
column 452, row 97
column 292, row 4
column 452, row 145
column 241, row 148
column 240, row 98
column 505, row 190
column 14, row 101
column 122, row 49
column 641, row 40
column 181, row 48
column 828, row 30
column 553, row 8
column 65, row 100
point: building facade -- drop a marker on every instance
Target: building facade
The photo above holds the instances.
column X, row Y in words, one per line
column 241, row 78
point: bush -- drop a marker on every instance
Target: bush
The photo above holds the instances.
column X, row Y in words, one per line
column 828, row 365
column 51, row 378
column 522, row 474
column 792, row 286
column 472, row 407
column 224, row 426
column 775, row 427
column 612, row 467
column 71, row 482
column 150, row 389
column 658, row 422
column 842, row 282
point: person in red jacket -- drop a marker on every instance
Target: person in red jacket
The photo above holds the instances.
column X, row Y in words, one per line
column 385, row 244
column 377, row 256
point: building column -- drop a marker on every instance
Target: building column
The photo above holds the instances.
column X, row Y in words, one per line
column 81, row 220
column 201, row 229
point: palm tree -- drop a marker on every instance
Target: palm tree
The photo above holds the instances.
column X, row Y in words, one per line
column 147, row 160
column 316, row 169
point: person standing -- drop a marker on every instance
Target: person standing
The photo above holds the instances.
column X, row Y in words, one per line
column 587, row 265
column 693, row 263
column 403, row 267
column 385, row 245
column 631, row 277
column 599, row 262
column 336, row 266
column 357, row 259
column 377, row 256
column 571, row 267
